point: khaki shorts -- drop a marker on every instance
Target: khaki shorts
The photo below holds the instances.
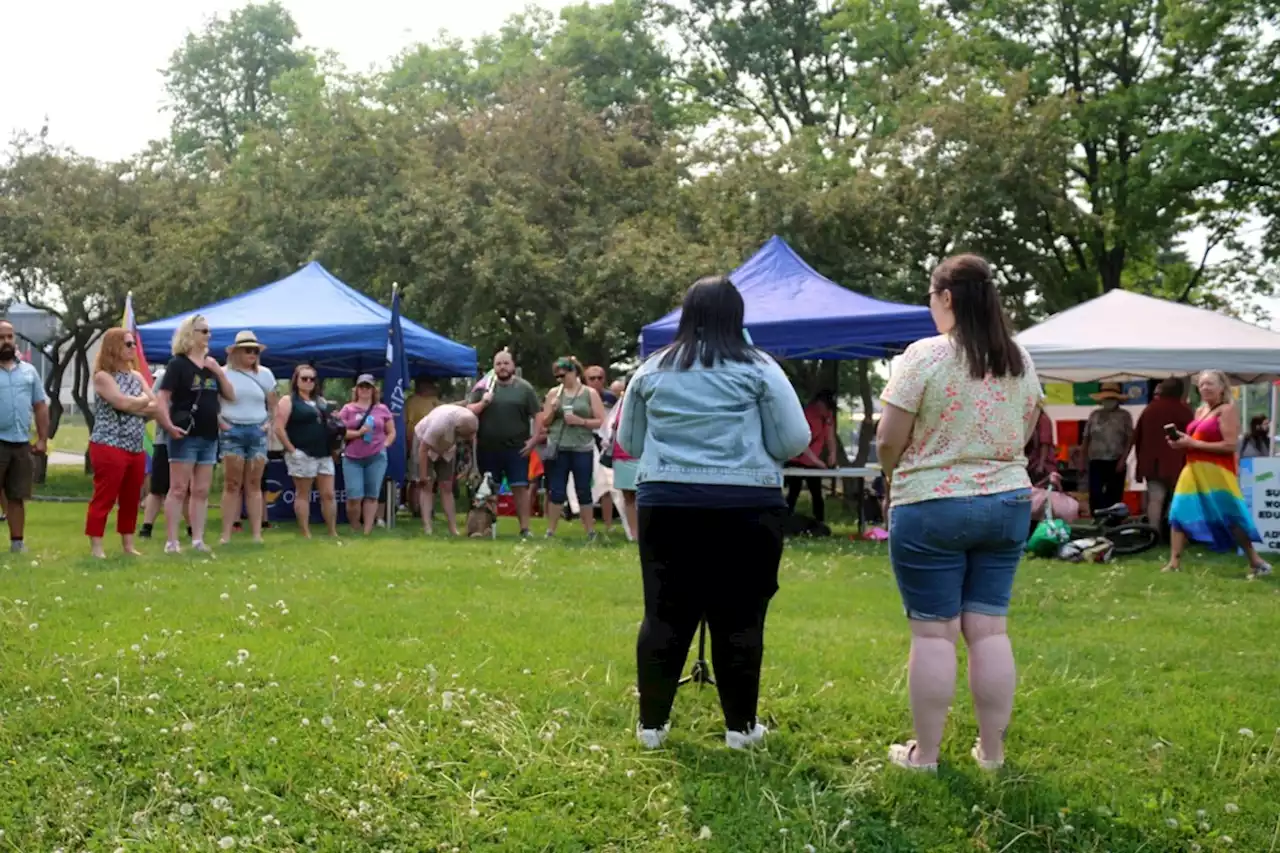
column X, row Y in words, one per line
column 16, row 470
column 440, row 470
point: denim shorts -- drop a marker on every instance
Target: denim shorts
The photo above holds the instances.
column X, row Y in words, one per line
column 193, row 450
column 362, row 478
column 505, row 463
column 248, row 441
column 955, row 555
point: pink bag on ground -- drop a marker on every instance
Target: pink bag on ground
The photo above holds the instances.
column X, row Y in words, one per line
column 1062, row 506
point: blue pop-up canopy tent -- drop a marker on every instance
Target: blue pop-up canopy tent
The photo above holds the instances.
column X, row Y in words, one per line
column 313, row 317
column 793, row 312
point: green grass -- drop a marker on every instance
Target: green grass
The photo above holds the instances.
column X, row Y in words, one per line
column 399, row 694
column 72, row 437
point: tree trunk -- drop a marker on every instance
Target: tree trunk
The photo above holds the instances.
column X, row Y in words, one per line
column 80, row 387
column 868, row 431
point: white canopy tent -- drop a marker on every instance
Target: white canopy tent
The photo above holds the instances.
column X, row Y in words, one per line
column 1127, row 336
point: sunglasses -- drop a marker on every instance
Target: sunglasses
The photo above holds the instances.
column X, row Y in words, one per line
column 129, row 345
column 595, row 378
column 203, row 332
column 560, row 375
column 306, row 379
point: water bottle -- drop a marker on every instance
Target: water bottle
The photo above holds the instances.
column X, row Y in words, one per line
column 369, row 422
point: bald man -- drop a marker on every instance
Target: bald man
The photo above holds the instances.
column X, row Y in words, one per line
column 438, row 435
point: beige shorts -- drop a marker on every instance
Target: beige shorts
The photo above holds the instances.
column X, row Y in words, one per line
column 303, row 467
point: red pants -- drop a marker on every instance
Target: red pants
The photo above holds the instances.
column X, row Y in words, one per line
column 117, row 476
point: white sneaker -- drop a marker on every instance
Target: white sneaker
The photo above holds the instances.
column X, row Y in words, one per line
column 652, row 738
column 745, row 740
column 172, row 548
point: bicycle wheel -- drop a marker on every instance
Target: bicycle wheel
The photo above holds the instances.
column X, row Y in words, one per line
column 1133, row 537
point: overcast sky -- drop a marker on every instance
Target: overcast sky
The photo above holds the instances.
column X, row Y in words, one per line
column 93, row 67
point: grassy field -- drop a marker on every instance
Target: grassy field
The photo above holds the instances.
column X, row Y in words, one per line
column 399, row 694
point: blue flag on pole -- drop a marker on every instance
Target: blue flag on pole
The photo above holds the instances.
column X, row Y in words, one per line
column 395, row 390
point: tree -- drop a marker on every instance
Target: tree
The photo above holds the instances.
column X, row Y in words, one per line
column 1168, row 108
column 72, row 243
column 221, row 81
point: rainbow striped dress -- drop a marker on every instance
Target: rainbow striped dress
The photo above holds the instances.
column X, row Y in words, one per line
column 1207, row 502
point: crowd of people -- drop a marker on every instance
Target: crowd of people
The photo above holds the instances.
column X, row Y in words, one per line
column 231, row 413
column 694, row 446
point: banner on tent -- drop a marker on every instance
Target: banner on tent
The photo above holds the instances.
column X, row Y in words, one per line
column 1260, row 483
column 278, row 494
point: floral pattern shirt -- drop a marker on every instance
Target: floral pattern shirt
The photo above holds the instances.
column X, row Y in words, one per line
column 969, row 434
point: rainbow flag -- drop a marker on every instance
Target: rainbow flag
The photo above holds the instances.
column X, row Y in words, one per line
column 130, row 322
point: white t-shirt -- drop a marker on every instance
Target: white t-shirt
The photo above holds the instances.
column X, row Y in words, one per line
column 252, row 389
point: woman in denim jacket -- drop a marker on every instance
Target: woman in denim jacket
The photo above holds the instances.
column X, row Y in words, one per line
column 711, row 419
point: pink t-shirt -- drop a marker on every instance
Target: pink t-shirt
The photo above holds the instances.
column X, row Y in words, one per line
column 440, row 429
column 352, row 414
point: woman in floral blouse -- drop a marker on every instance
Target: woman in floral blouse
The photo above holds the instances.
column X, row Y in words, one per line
column 958, row 412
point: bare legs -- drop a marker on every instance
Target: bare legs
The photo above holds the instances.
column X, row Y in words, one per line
column 428, row 496
column 524, row 505
column 232, row 488
column 992, row 679
column 180, row 474
column 1178, row 541
column 201, row 479
column 254, row 504
column 328, row 503
column 302, row 504
column 932, row 675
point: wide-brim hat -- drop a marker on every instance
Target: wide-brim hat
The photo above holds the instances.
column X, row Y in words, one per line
column 1110, row 391
column 247, row 340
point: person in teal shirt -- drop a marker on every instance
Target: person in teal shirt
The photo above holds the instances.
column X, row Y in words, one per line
column 22, row 398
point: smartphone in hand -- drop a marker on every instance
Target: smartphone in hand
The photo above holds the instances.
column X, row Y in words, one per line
column 1171, row 432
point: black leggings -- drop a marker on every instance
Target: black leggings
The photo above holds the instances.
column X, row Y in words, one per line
column 794, row 484
column 1106, row 484
column 717, row 563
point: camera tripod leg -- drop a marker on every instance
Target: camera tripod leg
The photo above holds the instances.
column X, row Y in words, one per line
column 700, row 672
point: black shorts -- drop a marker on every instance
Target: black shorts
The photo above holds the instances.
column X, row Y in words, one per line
column 17, row 471
column 160, row 470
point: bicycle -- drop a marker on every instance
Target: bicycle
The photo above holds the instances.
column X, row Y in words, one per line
column 1127, row 535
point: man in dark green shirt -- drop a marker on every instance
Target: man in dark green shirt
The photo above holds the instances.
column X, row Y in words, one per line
column 506, row 410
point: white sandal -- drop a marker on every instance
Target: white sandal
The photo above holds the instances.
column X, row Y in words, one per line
column 900, row 754
column 984, row 763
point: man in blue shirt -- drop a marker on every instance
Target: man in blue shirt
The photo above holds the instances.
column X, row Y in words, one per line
column 21, row 396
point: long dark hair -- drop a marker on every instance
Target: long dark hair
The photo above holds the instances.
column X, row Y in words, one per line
column 1260, row 439
column 982, row 329
column 710, row 328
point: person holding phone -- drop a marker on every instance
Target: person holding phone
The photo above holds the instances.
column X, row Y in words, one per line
column 1208, row 505
column 187, row 408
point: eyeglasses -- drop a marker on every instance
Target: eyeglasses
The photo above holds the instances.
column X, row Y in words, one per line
column 595, row 378
column 306, row 379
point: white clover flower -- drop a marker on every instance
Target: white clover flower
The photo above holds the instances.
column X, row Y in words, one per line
column 333, row 659
column 305, row 721
column 226, row 842
column 33, row 626
column 1246, row 733
column 226, row 596
column 704, row 834
column 243, row 655
column 1172, row 823
column 253, row 587
column 1231, row 808
column 326, row 721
